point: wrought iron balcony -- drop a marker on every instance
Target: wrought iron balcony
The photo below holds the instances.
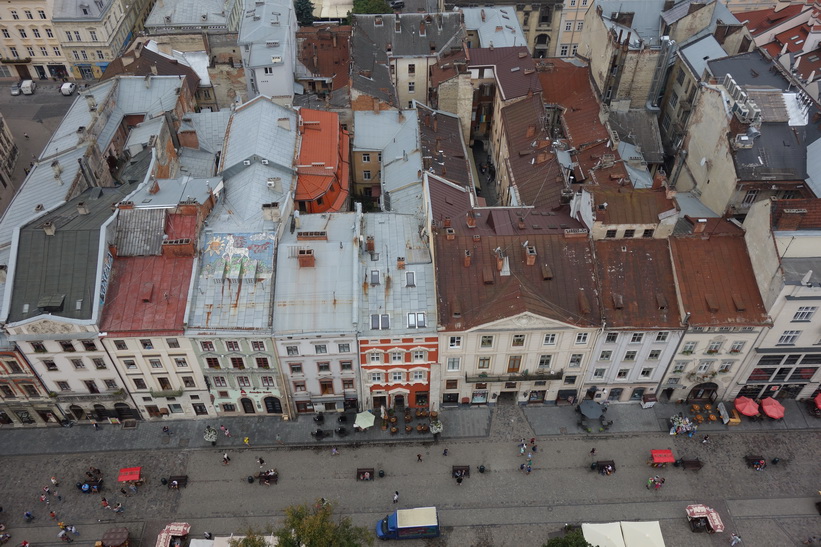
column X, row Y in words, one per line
column 118, row 395
column 523, row 377
column 166, row 393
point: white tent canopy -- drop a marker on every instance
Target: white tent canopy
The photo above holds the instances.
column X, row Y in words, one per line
column 607, row 534
column 624, row 534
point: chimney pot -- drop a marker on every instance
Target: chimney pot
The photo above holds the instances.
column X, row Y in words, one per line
column 447, row 222
column 467, row 259
column 370, row 243
column 306, row 258
column 400, row 263
column 471, row 219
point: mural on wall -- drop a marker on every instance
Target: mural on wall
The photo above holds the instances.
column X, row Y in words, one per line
column 234, row 257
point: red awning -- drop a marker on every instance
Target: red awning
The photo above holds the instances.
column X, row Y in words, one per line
column 702, row 511
column 662, row 456
column 129, row 474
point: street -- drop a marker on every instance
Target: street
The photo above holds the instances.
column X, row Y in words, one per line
column 503, row 506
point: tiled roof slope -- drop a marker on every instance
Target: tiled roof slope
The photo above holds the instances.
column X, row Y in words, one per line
column 630, row 206
column 760, row 21
column 443, row 149
column 142, row 62
column 323, row 55
column 514, row 69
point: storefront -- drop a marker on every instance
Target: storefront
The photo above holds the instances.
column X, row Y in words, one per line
column 788, row 376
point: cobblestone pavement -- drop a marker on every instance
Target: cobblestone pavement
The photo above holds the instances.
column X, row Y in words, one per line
column 508, row 423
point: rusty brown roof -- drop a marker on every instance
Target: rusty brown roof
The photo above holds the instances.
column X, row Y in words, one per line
column 139, row 62
column 560, row 285
column 514, row 69
column 443, row 151
column 716, row 281
column 637, row 285
column 325, row 51
column 448, row 66
column 630, row 206
column 796, row 214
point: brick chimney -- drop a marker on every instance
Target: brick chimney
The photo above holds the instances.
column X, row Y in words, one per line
column 471, row 219
column 447, row 222
column 467, row 259
column 306, row 258
column 400, row 263
column 530, row 255
column 178, row 248
column 500, row 261
column 370, row 244
column 699, row 225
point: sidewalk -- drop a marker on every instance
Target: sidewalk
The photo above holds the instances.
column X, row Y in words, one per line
column 459, row 423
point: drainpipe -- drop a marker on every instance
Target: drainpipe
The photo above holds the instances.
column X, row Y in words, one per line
column 678, row 346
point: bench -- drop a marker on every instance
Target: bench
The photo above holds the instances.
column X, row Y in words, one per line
column 755, row 462
column 181, row 481
column 460, row 471
column 267, row 478
column 695, row 464
column 601, row 466
column 365, row 474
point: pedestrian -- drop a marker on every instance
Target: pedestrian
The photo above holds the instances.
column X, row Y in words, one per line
column 44, row 499
column 58, row 496
column 650, row 482
column 522, row 468
column 459, row 481
column 396, row 497
column 247, row 441
column 96, row 427
column 261, row 462
column 104, row 503
column 279, row 438
column 53, row 515
column 124, row 492
column 529, row 456
column 334, row 451
column 533, row 440
column 735, row 539
column 534, row 448
column 528, row 469
column 705, row 440
column 28, row 516
column 419, row 457
column 226, row 431
column 225, row 459
column 445, row 452
column 54, row 481
column 64, row 536
column 61, row 525
column 73, row 529
column 166, row 430
column 529, row 461
column 592, row 452
column 46, row 490
column 222, row 428
column 119, row 508
column 522, row 449
column 133, row 488
column 208, row 535
column 26, row 135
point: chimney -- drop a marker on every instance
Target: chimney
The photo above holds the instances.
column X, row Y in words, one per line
column 375, row 106
column 155, row 187
column 447, row 222
column 450, row 234
column 400, row 263
column 467, row 259
column 154, row 69
column 521, row 223
column 82, row 208
column 700, row 225
column 49, row 228
column 483, row 16
column 370, row 245
column 531, row 131
column 333, row 37
column 92, row 103
column 500, row 261
column 471, row 219
column 530, row 255
column 435, row 124
column 178, row 248
column 306, row 258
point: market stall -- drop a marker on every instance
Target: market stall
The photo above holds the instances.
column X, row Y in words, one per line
column 682, row 425
column 660, row 458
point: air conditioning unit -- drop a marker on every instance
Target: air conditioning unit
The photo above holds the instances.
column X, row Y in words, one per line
column 265, row 162
column 246, row 162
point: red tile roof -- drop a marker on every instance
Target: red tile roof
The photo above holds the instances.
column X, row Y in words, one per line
column 796, row 214
column 513, row 67
column 716, row 281
column 794, row 38
column 316, row 50
column 447, row 67
column 629, row 206
column 560, row 285
column 143, row 62
column 760, row 21
column 443, row 150
column 810, row 63
column 323, row 162
column 637, row 285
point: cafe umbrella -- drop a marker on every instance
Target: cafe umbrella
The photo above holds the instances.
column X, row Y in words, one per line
column 772, row 408
column 364, row 420
column 746, row 406
column 590, row 409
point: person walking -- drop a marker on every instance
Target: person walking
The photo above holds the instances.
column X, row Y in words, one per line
column 54, row 481
column 124, row 492
column 225, row 459
column 261, row 462
column 166, row 430
column 53, row 515
column 419, row 457
column 705, row 440
column 592, row 452
column 459, row 481
column 445, row 452
column 119, row 508
column 528, row 469
column 522, row 468
column 735, row 539
column 133, row 488
column 247, row 441
column 96, row 427
column 396, row 497
column 279, row 438
column 225, row 430
column 73, row 529
column 26, row 135
column 104, row 503
column 334, row 451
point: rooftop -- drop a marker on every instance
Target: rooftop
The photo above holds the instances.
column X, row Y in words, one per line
column 796, row 214
column 443, row 149
column 191, row 13
column 496, row 26
column 639, row 127
column 323, row 159
column 318, row 298
column 169, row 193
column 697, row 53
column 265, row 29
column 637, row 206
column 325, row 52
column 638, row 289
column 513, row 68
column 716, row 281
column 81, row 11
column 795, row 270
column 141, row 61
column 57, row 268
column 760, row 21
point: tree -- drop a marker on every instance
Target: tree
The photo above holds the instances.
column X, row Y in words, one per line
column 573, row 538
column 304, row 12
column 252, row 539
column 371, row 6
column 307, row 526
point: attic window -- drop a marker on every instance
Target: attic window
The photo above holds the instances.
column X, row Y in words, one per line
column 377, row 21
column 374, row 277
column 712, row 304
column 661, row 301
column 618, row 302
column 739, row 303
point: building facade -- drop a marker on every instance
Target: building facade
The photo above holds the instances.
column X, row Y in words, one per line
column 31, row 49
column 23, row 399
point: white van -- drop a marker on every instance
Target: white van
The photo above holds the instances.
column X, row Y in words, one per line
column 28, row 87
column 68, row 88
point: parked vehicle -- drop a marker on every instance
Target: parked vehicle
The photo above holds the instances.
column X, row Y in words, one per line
column 28, row 87
column 422, row 522
column 15, row 88
column 68, row 88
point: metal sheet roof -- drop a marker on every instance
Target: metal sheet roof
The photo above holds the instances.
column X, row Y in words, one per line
column 375, row 129
column 698, row 53
column 189, row 12
column 401, row 169
column 140, row 232
column 260, row 129
column 496, row 26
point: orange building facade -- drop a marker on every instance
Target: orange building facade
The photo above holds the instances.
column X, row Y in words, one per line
column 396, row 372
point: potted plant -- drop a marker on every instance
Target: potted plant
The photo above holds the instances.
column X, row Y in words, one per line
column 394, row 429
column 687, row 352
column 408, row 428
column 712, row 351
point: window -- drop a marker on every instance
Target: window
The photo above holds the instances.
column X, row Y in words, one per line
column 419, row 355
column 629, row 234
column 89, row 345
column 56, row 51
column 376, row 357
column 563, row 52
column 30, row 51
column 14, row 367
column 343, row 348
column 262, row 362
column 375, row 377
column 654, row 355
column 599, row 372
column 397, row 357
column 688, row 347
column 713, row 347
column 605, row 355
column 410, row 279
column 570, row 380
column 38, row 347
column 23, row 33
column 63, row 386
column 580, row 24
column 788, row 337
column 416, row 320
column 648, row 234
column 549, row 340
column 366, row 158
column 380, row 322
column 630, row 355
column 238, row 362
column 725, row 367
column 455, row 342
column 295, row 368
column 292, row 350
column 14, row 53
column 77, row 35
column 411, row 87
column 244, row 381
column 804, row 313
column 50, row 365
column 7, row 392
column 155, row 363
column 172, row 343
column 484, row 362
column 646, row 372
column 207, row 345
column 514, row 363
column 379, row 157
column 130, row 364
column 612, row 337
column 180, row 362
column 679, row 367
column 397, row 376
column 84, row 55
column 346, row 366
column 366, row 175
column 518, row 340
column 411, row 68
column 320, row 348
column 347, row 384
column 662, row 336
column 704, row 366
column 49, row 33
column 486, row 342
column 268, row 70
column 581, row 338
column 622, row 373
column 323, row 367
column 545, row 361
column 568, row 26
column 212, row 362
column 188, row 381
column 6, row 33
column 737, row 347
column 41, row 13
column 93, row 35
column 232, row 345
column 67, row 346
column 637, row 338
column 451, row 384
column 78, row 364
column 610, row 234
column 454, row 363
column 219, row 381
column 139, row 383
column 14, row 15
column 575, row 361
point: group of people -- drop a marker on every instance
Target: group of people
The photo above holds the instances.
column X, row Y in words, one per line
column 266, row 477
column 655, row 483
column 527, row 467
column 606, row 469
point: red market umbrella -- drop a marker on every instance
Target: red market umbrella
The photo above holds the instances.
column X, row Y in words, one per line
column 662, row 456
column 772, row 408
column 817, row 400
column 746, row 406
column 129, row 474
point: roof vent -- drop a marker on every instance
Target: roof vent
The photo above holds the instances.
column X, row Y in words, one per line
column 204, row 17
column 530, row 255
column 466, row 261
column 618, row 302
column 547, row 272
column 306, row 258
column 712, row 303
column 739, row 303
column 450, row 234
column 49, row 228
column 661, row 301
column 82, row 208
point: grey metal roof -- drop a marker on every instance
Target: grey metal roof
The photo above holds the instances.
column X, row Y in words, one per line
column 395, row 235
column 640, row 176
column 140, row 232
column 777, row 154
column 750, row 68
column 796, row 268
column 79, row 115
column 197, row 163
column 60, row 272
column 374, row 130
column 402, row 165
column 814, row 167
column 210, row 128
column 696, row 54
column 262, row 24
column 260, row 129
column 639, row 127
column 142, row 132
column 190, row 12
column 240, row 206
column 496, row 26
column 319, row 299
column 169, row 193
column 74, row 10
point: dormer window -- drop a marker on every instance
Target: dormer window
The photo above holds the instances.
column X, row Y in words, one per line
column 377, row 21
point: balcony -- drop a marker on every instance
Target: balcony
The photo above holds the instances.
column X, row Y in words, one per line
column 166, row 393
column 118, row 395
column 686, row 105
column 524, row 377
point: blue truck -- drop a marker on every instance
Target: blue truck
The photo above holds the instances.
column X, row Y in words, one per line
column 422, row 522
